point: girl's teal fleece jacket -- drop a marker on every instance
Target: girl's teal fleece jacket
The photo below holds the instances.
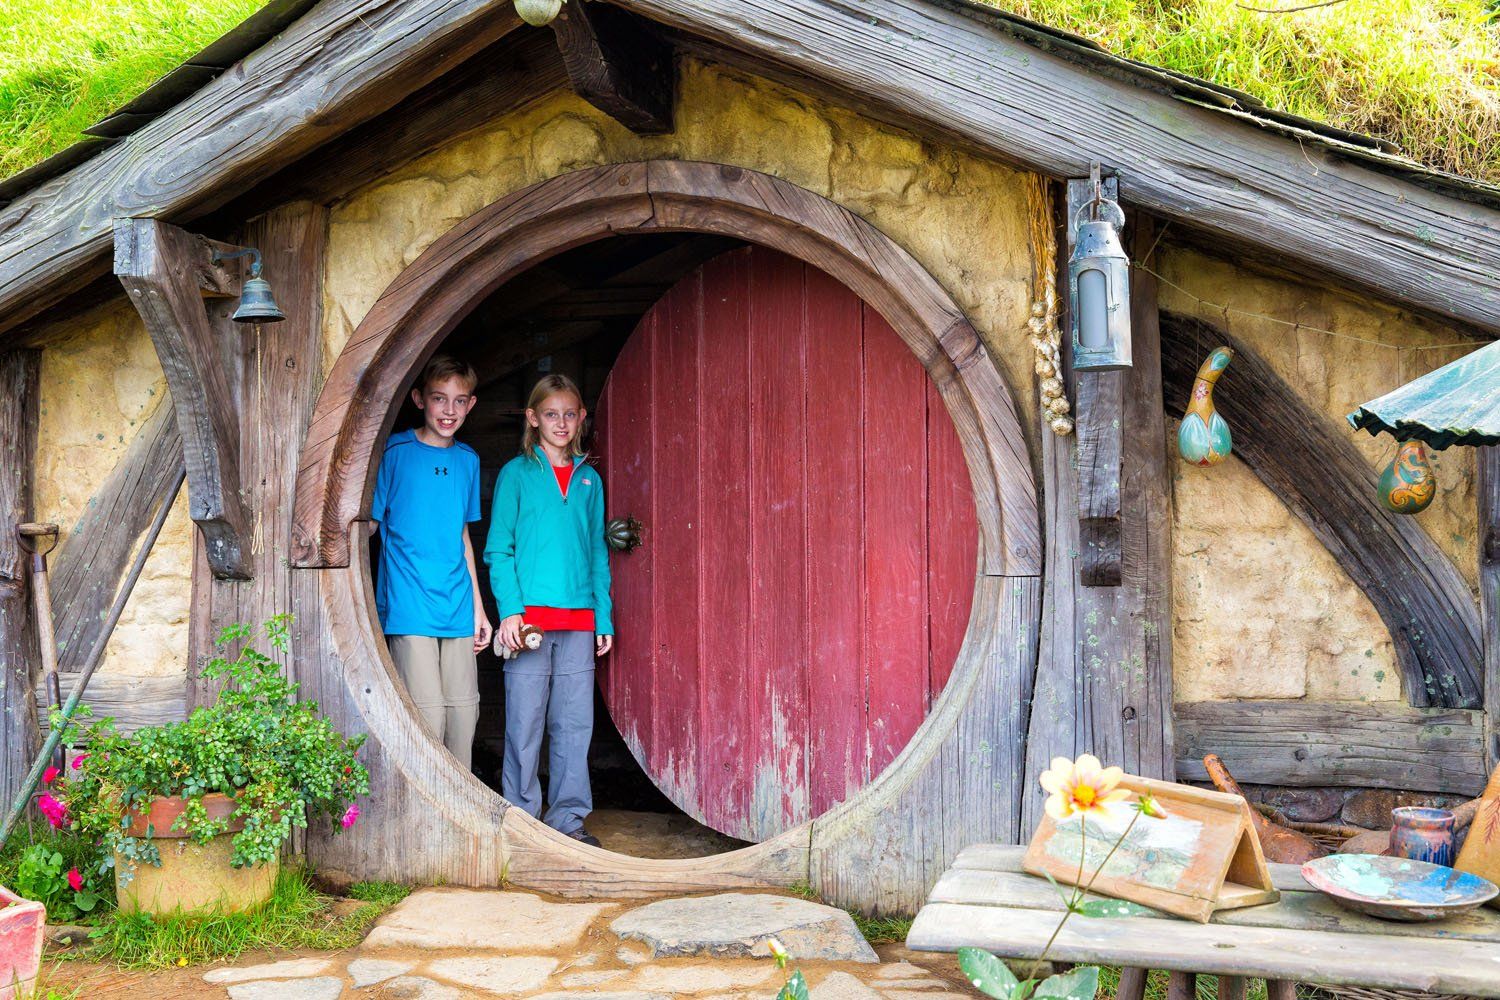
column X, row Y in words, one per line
column 546, row 550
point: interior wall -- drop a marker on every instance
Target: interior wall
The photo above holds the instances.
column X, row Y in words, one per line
column 1262, row 609
column 100, row 380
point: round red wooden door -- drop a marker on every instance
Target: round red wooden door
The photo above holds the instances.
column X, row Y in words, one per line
column 809, row 545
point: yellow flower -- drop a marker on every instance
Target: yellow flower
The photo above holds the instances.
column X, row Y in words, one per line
column 181, row 961
column 1080, row 786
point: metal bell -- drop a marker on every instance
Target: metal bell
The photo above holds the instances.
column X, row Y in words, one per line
column 256, row 304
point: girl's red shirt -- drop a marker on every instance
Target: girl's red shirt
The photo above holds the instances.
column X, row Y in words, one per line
column 560, row 619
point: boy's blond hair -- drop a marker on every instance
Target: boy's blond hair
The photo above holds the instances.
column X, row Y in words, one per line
column 548, row 385
column 443, row 367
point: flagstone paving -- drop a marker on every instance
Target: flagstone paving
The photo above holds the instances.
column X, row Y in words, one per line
column 466, row 944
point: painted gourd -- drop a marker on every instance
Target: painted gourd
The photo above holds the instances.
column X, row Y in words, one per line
column 1408, row 484
column 1203, row 437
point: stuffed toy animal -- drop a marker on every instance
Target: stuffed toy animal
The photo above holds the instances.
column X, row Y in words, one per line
column 531, row 638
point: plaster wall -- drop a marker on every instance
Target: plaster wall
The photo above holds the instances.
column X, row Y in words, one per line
column 962, row 217
column 100, row 381
column 1262, row 609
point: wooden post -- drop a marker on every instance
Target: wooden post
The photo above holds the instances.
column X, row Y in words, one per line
column 167, row 271
column 1104, row 676
column 19, row 730
column 281, row 366
column 619, row 63
column 1099, row 409
column 1488, row 488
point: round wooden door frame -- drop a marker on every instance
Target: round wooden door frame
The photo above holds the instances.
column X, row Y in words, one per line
column 430, row 296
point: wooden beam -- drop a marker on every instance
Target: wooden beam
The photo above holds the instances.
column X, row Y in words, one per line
column 282, row 370
column 19, row 732
column 1313, row 467
column 522, row 67
column 93, row 556
column 132, row 702
column 336, row 67
column 619, row 63
column 1335, row 743
column 1104, row 676
column 158, row 264
column 1487, row 486
column 954, row 70
column 1099, row 424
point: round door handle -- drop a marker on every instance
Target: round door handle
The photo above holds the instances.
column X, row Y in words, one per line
column 623, row 533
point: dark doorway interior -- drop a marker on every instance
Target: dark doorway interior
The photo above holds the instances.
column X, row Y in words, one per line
column 572, row 314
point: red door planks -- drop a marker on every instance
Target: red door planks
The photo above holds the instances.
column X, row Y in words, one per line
column 810, row 543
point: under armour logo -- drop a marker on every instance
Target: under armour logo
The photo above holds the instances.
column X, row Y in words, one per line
column 439, row 470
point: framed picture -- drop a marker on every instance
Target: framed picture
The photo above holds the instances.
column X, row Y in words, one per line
column 1204, row 856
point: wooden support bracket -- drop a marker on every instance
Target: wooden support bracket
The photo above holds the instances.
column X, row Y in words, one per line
column 1099, row 403
column 168, row 272
column 619, row 63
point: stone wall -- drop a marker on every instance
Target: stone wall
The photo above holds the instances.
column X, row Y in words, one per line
column 1262, row 609
column 100, row 381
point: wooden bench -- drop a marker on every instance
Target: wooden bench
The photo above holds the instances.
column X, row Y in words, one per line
column 986, row 901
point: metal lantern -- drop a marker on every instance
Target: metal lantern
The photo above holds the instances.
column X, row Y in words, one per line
column 1099, row 287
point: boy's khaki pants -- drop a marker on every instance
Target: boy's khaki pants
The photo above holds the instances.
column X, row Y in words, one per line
column 443, row 680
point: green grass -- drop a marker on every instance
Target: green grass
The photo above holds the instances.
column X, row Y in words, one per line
column 880, row 930
column 1424, row 74
column 1156, row 986
column 65, row 64
column 295, row 917
column 384, row 893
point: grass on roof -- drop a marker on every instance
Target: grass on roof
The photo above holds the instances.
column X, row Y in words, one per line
column 65, row 64
column 1424, row 74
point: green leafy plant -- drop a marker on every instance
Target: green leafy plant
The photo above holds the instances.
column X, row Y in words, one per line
column 795, row 987
column 279, row 760
column 1075, row 788
column 43, row 874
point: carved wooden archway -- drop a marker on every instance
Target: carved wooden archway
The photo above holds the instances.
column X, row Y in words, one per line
column 957, row 781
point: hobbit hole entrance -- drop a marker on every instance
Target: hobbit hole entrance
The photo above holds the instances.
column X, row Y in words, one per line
column 806, row 579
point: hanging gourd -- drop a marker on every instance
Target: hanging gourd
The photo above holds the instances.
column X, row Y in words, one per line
column 1203, row 437
column 1409, row 483
column 538, row 13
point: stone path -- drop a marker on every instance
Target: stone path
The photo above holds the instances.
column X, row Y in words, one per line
column 463, row 944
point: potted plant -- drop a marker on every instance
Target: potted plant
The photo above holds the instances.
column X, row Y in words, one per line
column 193, row 815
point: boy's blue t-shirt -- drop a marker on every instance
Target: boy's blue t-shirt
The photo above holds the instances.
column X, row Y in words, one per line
column 423, row 498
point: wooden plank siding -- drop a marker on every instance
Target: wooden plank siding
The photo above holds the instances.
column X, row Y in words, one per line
column 769, row 384
column 19, row 659
column 1336, row 743
column 1487, row 487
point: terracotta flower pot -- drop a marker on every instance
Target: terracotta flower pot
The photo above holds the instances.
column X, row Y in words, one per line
column 193, row 877
column 22, row 923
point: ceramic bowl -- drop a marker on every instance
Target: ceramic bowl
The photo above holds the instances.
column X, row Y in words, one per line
column 1397, row 888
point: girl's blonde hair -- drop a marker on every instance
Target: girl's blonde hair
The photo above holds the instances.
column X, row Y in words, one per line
column 550, row 384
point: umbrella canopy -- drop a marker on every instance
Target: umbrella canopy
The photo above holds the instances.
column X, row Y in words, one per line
column 1458, row 403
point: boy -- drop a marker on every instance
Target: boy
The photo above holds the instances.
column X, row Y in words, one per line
column 427, row 592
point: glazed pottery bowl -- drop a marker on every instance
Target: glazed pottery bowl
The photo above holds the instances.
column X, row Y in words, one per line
column 1397, row 888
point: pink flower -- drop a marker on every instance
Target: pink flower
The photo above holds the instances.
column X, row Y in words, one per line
column 78, row 761
column 50, row 775
column 350, row 815
column 55, row 811
column 75, row 880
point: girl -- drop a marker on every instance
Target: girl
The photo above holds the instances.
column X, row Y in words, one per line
column 549, row 567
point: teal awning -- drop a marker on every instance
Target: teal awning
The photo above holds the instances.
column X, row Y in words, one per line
column 1458, row 403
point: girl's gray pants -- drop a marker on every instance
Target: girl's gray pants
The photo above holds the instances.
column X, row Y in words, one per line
column 552, row 685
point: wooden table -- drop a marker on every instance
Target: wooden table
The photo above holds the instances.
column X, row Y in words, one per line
column 986, row 901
